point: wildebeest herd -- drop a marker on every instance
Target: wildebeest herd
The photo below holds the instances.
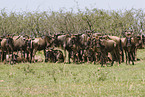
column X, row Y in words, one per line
column 88, row 47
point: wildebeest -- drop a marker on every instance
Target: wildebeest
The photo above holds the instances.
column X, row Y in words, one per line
column 64, row 42
column 7, row 46
column 118, row 44
column 17, row 58
column 0, row 50
column 37, row 44
column 104, row 47
column 129, row 47
column 20, row 44
column 54, row 56
column 138, row 45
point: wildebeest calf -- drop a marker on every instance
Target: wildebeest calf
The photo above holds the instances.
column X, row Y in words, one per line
column 16, row 58
column 54, row 56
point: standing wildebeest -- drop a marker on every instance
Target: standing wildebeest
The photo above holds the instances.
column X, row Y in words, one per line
column 118, row 43
column 60, row 41
column 37, row 44
column 129, row 47
column 104, row 47
column 7, row 45
column 0, row 49
column 138, row 45
column 20, row 44
column 85, row 47
column 67, row 43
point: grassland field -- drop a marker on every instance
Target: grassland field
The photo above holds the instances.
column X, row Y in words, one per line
column 73, row 80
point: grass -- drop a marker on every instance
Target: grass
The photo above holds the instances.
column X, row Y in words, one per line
column 65, row 80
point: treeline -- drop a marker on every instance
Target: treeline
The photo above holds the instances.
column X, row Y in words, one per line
column 49, row 22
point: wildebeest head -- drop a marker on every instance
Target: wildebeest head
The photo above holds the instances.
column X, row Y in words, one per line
column 98, row 44
column 9, row 43
column 138, row 41
column 72, row 41
column 49, row 40
column 29, row 44
column 128, row 44
column 59, row 40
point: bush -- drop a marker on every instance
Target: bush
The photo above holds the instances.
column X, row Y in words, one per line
column 49, row 22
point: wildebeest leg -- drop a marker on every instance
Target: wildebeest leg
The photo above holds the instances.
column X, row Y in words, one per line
column 117, row 54
column 122, row 56
column 126, row 53
column 112, row 63
column 33, row 55
column 29, row 55
column 45, row 55
column 113, row 57
column 1, row 56
column 77, row 57
column 27, row 58
column 83, row 58
column 65, row 55
column 129, row 57
column 69, row 55
column 73, row 56
column 22, row 56
column 135, row 55
column 2, row 59
column 4, row 56
column 80, row 55
column 132, row 58
column 102, row 58
column 12, row 61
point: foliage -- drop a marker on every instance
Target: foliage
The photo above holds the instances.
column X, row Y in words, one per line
column 50, row 22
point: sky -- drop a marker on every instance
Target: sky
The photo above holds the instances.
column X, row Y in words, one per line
column 56, row 5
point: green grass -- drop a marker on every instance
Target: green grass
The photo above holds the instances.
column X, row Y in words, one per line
column 65, row 80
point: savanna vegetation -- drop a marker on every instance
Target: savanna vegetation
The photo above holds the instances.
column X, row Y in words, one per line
column 59, row 79
column 66, row 80
column 49, row 22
